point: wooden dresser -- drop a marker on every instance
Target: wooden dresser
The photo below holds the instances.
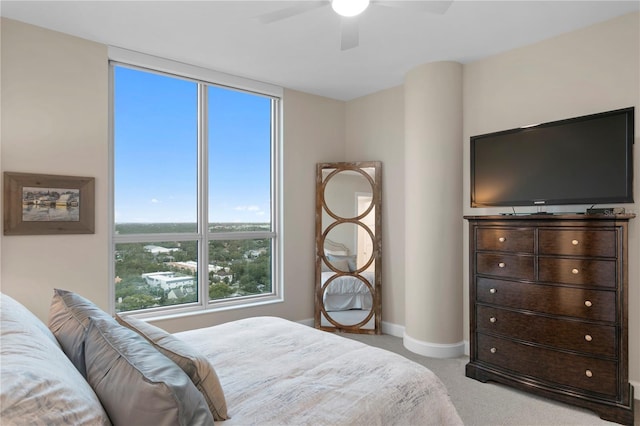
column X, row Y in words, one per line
column 549, row 308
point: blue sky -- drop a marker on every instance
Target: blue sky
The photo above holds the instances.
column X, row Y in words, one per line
column 156, row 151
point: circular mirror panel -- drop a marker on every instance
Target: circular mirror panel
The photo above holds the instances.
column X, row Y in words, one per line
column 348, row 247
column 347, row 300
column 344, row 192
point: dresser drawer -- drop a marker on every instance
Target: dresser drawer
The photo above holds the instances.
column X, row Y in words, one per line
column 592, row 339
column 598, row 305
column 577, row 242
column 505, row 265
column 599, row 273
column 505, row 239
column 577, row 371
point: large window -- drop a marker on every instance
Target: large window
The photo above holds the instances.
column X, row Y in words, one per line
column 195, row 221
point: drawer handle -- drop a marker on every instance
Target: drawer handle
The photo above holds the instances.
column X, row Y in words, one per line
column 492, row 291
column 588, row 337
column 502, row 239
column 588, row 373
column 575, row 271
column 493, row 319
column 502, row 264
column 493, row 350
column 588, row 303
column 575, row 242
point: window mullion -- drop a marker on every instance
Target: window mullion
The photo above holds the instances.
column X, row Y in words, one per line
column 203, row 200
column 277, row 248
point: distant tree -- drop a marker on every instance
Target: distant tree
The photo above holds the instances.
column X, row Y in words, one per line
column 137, row 301
column 220, row 291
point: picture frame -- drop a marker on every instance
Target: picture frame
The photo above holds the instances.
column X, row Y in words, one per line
column 41, row 204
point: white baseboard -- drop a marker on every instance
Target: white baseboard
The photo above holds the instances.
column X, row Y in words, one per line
column 433, row 350
column 392, row 329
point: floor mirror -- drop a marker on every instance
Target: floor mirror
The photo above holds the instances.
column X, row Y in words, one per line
column 348, row 247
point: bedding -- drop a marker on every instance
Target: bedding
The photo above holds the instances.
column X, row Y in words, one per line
column 262, row 370
column 136, row 384
column 197, row 367
column 38, row 383
column 277, row 372
column 69, row 316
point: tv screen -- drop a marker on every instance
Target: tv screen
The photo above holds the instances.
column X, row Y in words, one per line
column 582, row 160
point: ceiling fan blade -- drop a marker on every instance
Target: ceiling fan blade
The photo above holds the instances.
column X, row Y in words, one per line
column 288, row 12
column 438, row 7
column 350, row 36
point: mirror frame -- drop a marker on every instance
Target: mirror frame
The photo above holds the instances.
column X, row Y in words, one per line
column 375, row 234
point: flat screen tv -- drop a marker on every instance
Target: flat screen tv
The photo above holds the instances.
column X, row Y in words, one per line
column 581, row 160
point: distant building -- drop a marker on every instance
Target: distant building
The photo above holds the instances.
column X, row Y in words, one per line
column 156, row 250
column 252, row 254
column 175, row 294
column 193, row 266
column 168, row 280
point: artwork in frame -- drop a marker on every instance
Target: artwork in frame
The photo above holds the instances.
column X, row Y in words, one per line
column 36, row 204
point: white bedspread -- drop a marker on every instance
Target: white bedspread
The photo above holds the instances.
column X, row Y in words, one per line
column 277, row 372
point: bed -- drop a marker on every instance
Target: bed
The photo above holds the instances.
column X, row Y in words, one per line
column 90, row 368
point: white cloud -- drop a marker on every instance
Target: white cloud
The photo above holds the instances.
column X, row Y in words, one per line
column 247, row 208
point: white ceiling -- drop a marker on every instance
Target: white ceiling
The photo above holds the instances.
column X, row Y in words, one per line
column 303, row 52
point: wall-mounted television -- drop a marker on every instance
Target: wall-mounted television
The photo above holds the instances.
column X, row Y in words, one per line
column 581, row 160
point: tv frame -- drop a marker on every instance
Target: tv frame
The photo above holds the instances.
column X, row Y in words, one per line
column 628, row 198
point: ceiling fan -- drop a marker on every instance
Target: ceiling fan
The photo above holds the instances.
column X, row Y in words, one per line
column 349, row 11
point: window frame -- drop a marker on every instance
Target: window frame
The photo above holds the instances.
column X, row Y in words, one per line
column 203, row 77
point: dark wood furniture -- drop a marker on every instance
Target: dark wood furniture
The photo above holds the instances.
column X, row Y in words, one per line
column 549, row 308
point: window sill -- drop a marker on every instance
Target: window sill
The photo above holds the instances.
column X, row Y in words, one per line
column 200, row 310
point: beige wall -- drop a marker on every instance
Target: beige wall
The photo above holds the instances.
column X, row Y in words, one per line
column 375, row 131
column 55, row 120
column 587, row 71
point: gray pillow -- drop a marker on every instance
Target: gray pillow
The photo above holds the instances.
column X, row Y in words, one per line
column 69, row 316
column 136, row 384
column 39, row 384
column 194, row 364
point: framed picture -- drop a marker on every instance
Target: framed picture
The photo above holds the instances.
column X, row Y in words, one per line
column 37, row 204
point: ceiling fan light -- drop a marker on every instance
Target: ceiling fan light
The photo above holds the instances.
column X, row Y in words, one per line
column 349, row 7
